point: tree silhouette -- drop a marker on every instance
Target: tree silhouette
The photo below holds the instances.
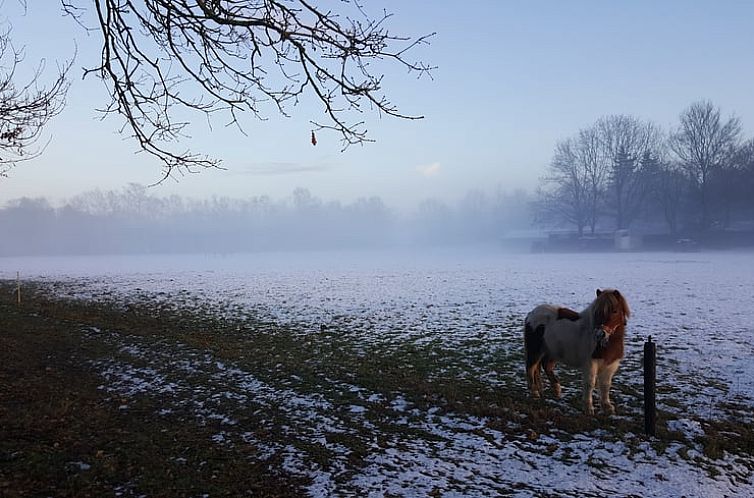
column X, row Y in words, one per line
column 623, row 142
column 576, row 182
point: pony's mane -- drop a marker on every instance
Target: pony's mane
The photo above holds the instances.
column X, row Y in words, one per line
column 608, row 302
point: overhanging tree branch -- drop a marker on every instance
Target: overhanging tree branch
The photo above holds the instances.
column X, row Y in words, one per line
column 160, row 58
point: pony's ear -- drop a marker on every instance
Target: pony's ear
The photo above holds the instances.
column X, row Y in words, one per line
column 599, row 291
column 616, row 292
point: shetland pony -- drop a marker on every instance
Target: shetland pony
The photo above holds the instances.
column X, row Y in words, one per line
column 591, row 341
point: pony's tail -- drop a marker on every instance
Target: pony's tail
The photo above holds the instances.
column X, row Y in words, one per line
column 534, row 338
column 534, row 342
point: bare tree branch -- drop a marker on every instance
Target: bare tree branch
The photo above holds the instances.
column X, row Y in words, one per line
column 160, row 58
column 25, row 109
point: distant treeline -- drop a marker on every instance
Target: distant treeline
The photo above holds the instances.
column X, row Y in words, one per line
column 623, row 172
column 133, row 220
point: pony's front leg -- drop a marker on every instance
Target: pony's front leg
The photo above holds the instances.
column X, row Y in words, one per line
column 590, row 375
column 605, row 380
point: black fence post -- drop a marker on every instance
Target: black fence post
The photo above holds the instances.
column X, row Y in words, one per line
column 650, row 410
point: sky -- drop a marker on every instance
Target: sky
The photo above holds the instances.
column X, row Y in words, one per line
column 512, row 78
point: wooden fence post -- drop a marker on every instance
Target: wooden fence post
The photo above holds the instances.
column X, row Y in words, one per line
column 18, row 287
column 650, row 409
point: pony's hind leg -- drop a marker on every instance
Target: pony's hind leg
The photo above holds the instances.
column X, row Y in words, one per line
column 534, row 380
column 534, row 351
column 549, row 366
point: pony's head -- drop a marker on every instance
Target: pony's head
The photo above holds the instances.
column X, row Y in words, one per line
column 610, row 310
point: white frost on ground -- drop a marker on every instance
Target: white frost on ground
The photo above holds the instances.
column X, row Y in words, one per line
column 458, row 456
column 696, row 307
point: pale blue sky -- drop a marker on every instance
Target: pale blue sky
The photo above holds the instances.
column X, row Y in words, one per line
column 513, row 77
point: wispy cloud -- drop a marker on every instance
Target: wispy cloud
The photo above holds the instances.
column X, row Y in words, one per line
column 276, row 168
column 429, row 170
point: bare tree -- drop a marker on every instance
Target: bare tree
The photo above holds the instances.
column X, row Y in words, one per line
column 25, row 108
column 703, row 144
column 600, row 169
column 571, row 179
column 624, row 141
column 231, row 56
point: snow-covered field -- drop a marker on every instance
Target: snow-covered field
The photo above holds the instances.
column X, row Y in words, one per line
column 697, row 307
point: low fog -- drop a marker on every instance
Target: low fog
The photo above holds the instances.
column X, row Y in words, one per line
column 135, row 221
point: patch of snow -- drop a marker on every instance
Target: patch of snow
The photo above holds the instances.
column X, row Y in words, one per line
column 690, row 428
column 78, row 466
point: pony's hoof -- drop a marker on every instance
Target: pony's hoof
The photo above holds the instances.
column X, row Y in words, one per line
column 609, row 410
column 556, row 391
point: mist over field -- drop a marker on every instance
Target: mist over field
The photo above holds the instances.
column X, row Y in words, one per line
column 133, row 220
